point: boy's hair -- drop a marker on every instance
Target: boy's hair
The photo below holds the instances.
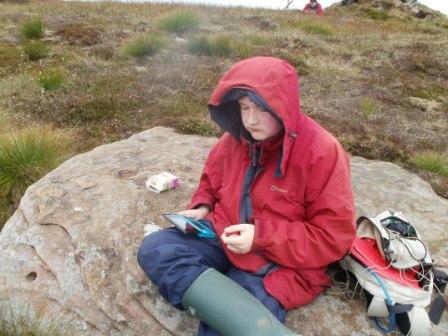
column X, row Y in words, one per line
column 227, row 114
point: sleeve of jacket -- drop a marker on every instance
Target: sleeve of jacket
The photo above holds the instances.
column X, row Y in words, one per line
column 329, row 229
column 319, row 10
column 206, row 192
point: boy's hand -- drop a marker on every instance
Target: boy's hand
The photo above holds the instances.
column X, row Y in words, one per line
column 239, row 238
column 199, row 213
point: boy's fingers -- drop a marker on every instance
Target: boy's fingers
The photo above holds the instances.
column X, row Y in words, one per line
column 233, row 249
column 225, row 238
column 234, row 240
column 234, row 228
column 186, row 213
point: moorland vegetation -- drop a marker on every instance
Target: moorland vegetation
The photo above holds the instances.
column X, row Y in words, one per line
column 74, row 75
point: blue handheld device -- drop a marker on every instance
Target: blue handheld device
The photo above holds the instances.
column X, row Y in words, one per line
column 187, row 225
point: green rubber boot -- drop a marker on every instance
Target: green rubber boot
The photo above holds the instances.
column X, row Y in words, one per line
column 229, row 308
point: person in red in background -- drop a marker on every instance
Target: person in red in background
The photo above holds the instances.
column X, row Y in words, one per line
column 276, row 190
column 314, row 7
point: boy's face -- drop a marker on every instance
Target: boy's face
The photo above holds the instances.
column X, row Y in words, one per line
column 258, row 122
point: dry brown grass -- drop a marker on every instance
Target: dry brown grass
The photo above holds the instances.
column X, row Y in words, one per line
column 358, row 72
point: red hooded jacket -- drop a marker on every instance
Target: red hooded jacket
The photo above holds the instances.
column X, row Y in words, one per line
column 317, row 9
column 302, row 203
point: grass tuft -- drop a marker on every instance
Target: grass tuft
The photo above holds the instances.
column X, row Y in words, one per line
column 429, row 92
column 316, row 27
column 105, row 53
column 143, row 45
column 28, row 154
column 298, row 62
column 220, row 46
column 10, row 59
column 387, row 4
column 35, row 50
column 21, row 321
column 377, row 14
column 32, row 29
column 106, row 99
column 200, row 46
column 367, row 107
column 179, row 22
column 51, row 79
column 201, row 127
column 421, row 61
column 431, row 161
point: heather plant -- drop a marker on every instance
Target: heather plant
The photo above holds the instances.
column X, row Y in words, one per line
column 179, row 22
column 32, row 29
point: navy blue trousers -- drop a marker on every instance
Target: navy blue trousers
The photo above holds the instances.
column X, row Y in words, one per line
column 173, row 260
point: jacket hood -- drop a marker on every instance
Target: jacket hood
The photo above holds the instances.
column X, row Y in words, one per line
column 275, row 81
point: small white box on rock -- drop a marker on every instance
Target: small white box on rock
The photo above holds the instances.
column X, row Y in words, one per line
column 162, row 181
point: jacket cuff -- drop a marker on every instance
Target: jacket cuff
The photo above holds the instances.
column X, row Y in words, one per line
column 260, row 236
column 197, row 202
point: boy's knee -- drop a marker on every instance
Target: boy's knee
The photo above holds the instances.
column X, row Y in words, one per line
column 154, row 249
column 148, row 247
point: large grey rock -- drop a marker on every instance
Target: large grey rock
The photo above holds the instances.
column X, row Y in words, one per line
column 71, row 246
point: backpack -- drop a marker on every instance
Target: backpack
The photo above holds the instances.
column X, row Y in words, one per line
column 392, row 264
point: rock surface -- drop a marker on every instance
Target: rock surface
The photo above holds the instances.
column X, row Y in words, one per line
column 71, row 246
